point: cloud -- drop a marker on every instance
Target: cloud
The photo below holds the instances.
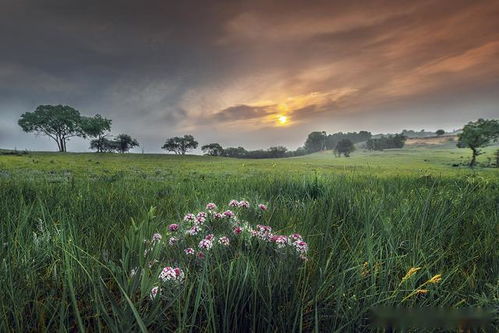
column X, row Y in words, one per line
column 229, row 69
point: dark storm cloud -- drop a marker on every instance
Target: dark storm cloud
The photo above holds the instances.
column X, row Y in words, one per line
column 225, row 69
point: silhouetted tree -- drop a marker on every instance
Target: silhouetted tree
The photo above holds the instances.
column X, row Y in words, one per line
column 478, row 134
column 386, row 142
column 104, row 145
column 124, row 143
column 316, row 141
column 95, row 127
column 59, row 122
column 238, row 152
column 213, row 149
column 344, row 147
column 440, row 132
column 277, row 152
column 180, row 145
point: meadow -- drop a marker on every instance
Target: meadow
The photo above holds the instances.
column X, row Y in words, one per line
column 72, row 229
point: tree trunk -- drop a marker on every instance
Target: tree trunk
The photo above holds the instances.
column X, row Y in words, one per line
column 473, row 157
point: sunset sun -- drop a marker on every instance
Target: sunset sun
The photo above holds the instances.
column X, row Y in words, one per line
column 283, row 120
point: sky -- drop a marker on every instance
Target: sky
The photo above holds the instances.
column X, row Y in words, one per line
column 248, row 73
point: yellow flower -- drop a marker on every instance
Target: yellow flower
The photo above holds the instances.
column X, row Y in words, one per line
column 436, row 279
column 410, row 273
column 421, row 291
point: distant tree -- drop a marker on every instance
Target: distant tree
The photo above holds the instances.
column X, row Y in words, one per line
column 476, row 135
column 238, row 152
column 96, row 127
column 277, row 152
column 104, row 145
column 213, row 149
column 180, row 145
column 386, row 142
column 333, row 139
column 124, row 143
column 59, row 122
column 497, row 158
column 344, row 147
column 316, row 141
column 440, row 132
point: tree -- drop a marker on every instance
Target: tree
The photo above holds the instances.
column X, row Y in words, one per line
column 476, row 135
column 95, row 127
column 344, row 147
column 124, row 143
column 180, row 145
column 316, row 141
column 59, row 122
column 277, row 152
column 104, row 145
column 213, row 149
column 386, row 142
column 238, row 152
column 440, row 132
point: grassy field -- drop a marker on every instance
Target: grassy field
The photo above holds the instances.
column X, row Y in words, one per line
column 72, row 229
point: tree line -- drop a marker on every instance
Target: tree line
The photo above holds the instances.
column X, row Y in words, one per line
column 62, row 122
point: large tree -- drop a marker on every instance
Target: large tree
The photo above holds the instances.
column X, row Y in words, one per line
column 96, row 127
column 180, row 145
column 124, row 143
column 316, row 141
column 478, row 134
column 213, row 149
column 345, row 147
column 59, row 122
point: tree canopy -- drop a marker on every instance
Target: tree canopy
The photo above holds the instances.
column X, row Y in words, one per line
column 213, row 149
column 96, row 127
column 478, row 134
column 180, row 145
column 59, row 122
column 345, row 147
column 124, row 143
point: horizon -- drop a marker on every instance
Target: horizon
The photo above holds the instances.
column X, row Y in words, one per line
column 253, row 75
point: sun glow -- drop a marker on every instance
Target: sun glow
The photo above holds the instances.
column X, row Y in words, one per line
column 283, row 120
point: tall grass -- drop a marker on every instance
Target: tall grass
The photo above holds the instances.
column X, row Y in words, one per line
column 68, row 248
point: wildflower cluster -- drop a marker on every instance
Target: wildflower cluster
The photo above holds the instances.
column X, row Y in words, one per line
column 222, row 230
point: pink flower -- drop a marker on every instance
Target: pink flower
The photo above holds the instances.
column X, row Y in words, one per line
column 218, row 216
column 172, row 241
column 194, row 230
column 200, row 255
column 229, row 214
column 263, row 232
column 237, row 230
column 244, row 204
column 171, row 274
column 209, row 237
column 262, row 207
column 301, row 246
column 205, row 244
column 202, row 214
column 200, row 220
column 233, row 203
column 154, row 293
column 211, row 206
column 156, row 237
column 189, row 217
column 189, row 251
column 295, row 237
column 173, row 227
column 224, row 241
column 280, row 240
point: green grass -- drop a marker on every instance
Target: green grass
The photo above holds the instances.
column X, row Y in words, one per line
column 72, row 226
